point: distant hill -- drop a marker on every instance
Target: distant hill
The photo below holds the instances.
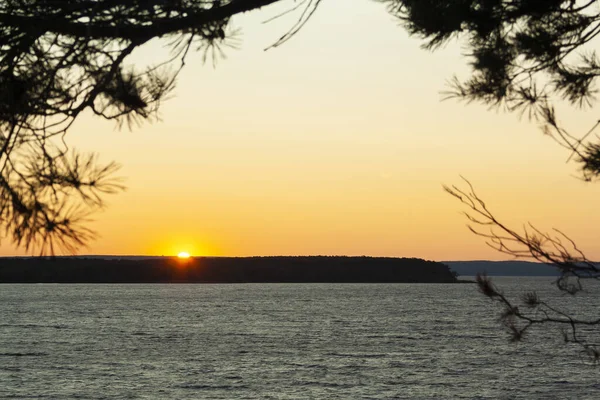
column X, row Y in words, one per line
column 131, row 269
column 501, row 268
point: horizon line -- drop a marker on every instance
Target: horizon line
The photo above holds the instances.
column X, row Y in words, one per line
column 249, row 256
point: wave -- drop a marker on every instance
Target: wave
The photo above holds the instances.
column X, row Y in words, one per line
column 27, row 354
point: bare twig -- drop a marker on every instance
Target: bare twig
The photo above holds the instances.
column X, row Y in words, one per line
column 555, row 250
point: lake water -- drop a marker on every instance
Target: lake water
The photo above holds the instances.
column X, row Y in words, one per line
column 280, row 341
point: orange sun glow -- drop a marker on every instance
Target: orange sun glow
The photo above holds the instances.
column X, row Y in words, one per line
column 183, row 254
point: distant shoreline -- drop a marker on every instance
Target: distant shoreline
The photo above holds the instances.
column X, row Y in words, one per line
column 313, row 269
column 502, row 268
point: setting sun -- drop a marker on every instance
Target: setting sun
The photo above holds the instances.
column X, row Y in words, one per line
column 183, row 254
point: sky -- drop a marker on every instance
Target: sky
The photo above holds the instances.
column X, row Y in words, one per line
column 335, row 143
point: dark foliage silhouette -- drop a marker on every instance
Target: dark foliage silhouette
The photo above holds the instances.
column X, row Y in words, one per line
column 59, row 59
column 524, row 55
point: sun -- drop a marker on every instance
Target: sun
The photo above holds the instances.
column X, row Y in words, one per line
column 183, row 255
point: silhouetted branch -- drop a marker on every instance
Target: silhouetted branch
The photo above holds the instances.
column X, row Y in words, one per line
column 554, row 249
column 59, row 59
column 306, row 14
column 522, row 56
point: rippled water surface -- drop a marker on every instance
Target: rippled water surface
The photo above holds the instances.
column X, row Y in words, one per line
column 278, row 341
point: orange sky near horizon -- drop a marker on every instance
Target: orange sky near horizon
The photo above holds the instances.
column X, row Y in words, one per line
column 336, row 143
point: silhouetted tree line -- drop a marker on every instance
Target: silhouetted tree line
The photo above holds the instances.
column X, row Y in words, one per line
column 223, row 270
